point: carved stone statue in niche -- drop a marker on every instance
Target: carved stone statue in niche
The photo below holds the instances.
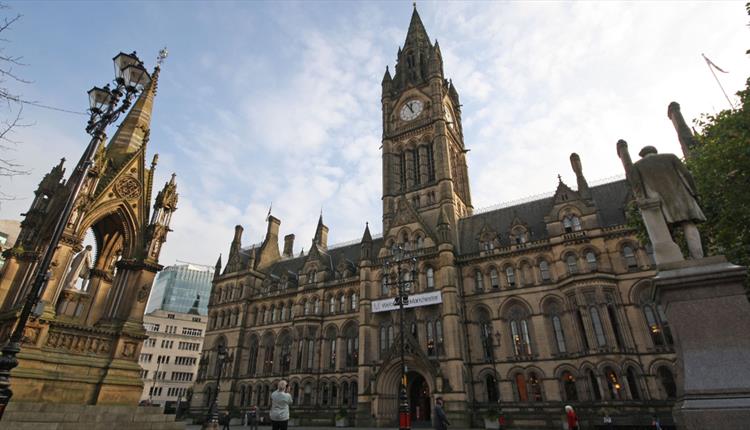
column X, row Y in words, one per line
column 80, row 268
column 666, row 196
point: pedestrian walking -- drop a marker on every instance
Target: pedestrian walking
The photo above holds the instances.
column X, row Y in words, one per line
column 280, row 401
column 224, row 421
column 572, row 418
column 655, row 423
column 607, row 420
column 441, row 420
column 251, row 418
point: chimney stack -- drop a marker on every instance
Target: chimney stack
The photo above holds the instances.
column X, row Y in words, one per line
column 288, row 245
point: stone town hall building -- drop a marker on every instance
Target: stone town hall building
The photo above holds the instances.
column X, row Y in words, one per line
column 537, row 305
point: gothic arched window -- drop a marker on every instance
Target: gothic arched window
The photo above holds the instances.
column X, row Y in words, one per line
column 591, row 261
column 633, row 384
column 666, row 379
column 536, row 387
column 569, row 387
column 354, row 301
column 478, row 280
column 544, row 271
column 596, row 321
column 559, row 335
column 628, row 256
column 519, row 331
column 490, row 384
column 430, row 274
column 485, row 334
column 510, row 276
column 494, row 279
column 594, row 386
column 570, row 261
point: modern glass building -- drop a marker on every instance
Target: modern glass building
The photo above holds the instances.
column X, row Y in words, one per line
column 182, row 288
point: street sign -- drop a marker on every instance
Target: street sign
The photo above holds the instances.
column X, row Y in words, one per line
column 413, row 301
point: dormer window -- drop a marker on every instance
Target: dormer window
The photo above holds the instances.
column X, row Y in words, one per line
column 571, row 223
column 519, row 235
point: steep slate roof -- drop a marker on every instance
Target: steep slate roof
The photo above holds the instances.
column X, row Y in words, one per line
column 609, row 199
column 349, row 252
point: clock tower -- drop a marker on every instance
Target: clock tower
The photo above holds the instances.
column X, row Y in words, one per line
column 425, row 178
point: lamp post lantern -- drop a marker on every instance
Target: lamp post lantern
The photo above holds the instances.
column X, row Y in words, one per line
column 400, row 273
column 222, row 358
column 105, row 106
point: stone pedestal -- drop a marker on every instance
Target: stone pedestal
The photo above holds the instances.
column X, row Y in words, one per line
column 709, row 313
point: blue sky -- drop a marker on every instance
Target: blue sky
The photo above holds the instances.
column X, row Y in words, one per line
column 280, row 101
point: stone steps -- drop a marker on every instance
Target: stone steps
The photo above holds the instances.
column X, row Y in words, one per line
column 56, row 416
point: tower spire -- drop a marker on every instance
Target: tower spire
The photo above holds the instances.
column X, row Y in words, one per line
column 134, row 130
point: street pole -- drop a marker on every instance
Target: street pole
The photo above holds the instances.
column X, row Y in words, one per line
column 104, row 111
column 153, row 384
column 212, row 421
column 402, row 287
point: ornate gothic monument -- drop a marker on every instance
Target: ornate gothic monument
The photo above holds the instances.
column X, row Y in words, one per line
column 82, row 347
column 526, row 307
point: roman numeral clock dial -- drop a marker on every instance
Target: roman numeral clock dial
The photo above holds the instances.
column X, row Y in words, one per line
column 411, row 109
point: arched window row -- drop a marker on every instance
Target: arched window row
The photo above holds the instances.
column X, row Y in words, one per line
column 224, row 318
column 609, row 383
column 508, row 276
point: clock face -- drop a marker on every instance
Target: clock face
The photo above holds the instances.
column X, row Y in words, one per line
column 411, row 110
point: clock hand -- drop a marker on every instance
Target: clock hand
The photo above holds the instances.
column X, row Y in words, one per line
column 409, row 106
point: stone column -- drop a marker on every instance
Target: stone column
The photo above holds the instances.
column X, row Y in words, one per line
column 708, row 310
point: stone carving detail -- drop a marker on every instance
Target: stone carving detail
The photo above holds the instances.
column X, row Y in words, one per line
column 30, row 335
column 128, row 187
column 666, row 196
column 143, row 293
column 77, row 343
column 128, row 349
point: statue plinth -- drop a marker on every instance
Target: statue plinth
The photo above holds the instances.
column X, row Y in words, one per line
column 708, row 310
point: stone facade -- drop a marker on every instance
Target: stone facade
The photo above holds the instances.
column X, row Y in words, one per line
column 83, row 346
column 541, row 304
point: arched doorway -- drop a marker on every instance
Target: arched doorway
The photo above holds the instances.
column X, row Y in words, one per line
column 420, row 402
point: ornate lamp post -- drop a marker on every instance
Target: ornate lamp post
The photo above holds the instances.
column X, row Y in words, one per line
column 222, row 358
column 106, row 105
column 400, row 273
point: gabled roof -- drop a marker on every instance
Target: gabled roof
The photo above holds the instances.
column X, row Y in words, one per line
column 609, row 198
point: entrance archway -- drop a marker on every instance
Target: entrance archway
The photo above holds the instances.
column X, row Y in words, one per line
column 420, row 401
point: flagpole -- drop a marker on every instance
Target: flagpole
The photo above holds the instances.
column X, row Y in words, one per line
column 711, row 66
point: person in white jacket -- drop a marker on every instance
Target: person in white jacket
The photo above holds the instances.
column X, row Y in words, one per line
column 280, row 401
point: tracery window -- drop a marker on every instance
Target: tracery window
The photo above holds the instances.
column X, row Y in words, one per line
column 519, row 330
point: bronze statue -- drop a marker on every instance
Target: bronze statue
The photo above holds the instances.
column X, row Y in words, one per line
column 661, row 182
